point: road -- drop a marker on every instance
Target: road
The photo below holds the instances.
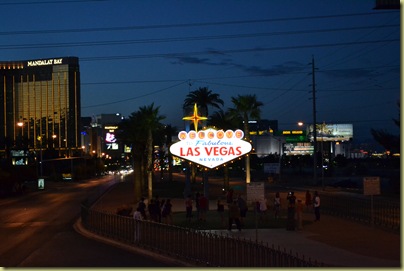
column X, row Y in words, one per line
column 36, row 230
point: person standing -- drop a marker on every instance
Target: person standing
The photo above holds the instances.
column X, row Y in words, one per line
column 220, row 210
column 277, row 205
column 158, row 208
column 152, row 208
column 197, row 197
column 291, row 211
column 188, row 208
column 316, row 205
column 243, row 208
column 142, row 208
column 203, row 207
column 234, row 215
column 299, row 214
column 166, row 213
column 263, row 209
column 137, row 216
column 308, row 201
column 229, row 196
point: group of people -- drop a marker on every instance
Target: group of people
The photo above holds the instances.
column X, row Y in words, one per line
column 237, row 208
column 295, row 210
column 237, row 212
column 155, row 210
column 313, row 203
column 161, row 210
column 201, row 205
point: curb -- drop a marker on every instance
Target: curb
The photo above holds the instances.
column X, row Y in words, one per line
column 79, row 228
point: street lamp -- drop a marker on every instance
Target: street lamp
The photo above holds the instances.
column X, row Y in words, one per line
column 40, row 155
column 20, row 124
column 53, row 141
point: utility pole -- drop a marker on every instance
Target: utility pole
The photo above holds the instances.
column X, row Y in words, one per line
column 314, row 123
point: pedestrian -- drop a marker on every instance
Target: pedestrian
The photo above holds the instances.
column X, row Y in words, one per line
column 308, row 201
column 316, row 204
column 291, row 211
column 299, row 214
column 152, row 208
column 166, row 212
column 142, row 208
column 220, row 210
column 137, row 216
column 277, row 205
column 158, row 208
column 243, row 208
column 229, row 196
column 203, row 207
column 234, row 216
column 197, row 196
column 263, row 209
column 257, row 206
column 188, row 208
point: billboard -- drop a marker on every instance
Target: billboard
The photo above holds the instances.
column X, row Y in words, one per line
column 331, row 132
column 298, row 148
column 110, row 139
column 19, row 157
column 210, row 147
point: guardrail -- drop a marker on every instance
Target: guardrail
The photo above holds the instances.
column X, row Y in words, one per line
column 200, row 248
column 385, row 213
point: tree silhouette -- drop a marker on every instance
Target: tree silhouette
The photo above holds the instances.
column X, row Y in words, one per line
column 224, row 120
column 387, row 140
column 137, row 131
column 246, row 107
column 204, row 98
column 151, row 122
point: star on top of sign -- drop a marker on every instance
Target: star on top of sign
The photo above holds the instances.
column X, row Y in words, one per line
column 195, row 118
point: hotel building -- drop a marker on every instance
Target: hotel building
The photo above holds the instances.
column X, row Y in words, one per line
column 40, row 105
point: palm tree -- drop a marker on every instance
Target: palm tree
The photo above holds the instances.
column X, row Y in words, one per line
column 138, row 131
column 151, row 122
column 131, row 135
column 169, row 132
column 246, row 107
column 387, row 140
column 163, row 137
column 224, row 120
column 204, row 98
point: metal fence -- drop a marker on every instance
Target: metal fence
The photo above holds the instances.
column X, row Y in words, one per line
column 380, row 212
column 200, row 248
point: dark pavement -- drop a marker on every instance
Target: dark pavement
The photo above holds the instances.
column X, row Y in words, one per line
column 36, row 230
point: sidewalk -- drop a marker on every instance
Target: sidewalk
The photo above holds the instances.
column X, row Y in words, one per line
column 333, row 241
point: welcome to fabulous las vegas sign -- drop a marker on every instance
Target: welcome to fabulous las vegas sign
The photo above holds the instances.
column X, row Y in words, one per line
column 210, row 148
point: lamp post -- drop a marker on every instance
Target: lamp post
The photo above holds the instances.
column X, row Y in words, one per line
column 280, row 158
column 40, row 156
column 20, row 124
column 53, row 141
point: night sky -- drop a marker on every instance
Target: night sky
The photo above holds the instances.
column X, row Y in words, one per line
column 134, row 53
